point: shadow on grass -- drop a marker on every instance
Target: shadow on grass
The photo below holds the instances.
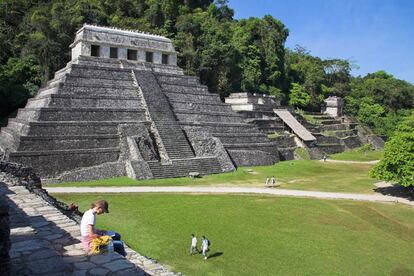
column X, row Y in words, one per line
column 397, row 191
column 216, row 254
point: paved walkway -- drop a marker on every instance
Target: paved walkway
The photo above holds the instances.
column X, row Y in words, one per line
column 230, row 190
column 46, row 242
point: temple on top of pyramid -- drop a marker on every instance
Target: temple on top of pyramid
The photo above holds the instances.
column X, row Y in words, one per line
column 122, row 107
column 121, row 44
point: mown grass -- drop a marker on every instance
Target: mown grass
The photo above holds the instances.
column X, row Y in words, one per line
column 358, row 155
column 258, row 235
column 298, row 174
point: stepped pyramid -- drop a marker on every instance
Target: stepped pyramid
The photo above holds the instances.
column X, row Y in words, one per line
column 122, row 106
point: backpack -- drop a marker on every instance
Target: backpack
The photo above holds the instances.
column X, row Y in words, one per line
column 208, row 242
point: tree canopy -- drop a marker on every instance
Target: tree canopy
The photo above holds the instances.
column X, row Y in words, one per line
column 398, row 162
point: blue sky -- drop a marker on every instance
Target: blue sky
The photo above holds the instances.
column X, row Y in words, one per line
column 376, row 35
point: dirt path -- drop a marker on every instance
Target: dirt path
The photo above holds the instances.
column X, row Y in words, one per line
column 231, row 190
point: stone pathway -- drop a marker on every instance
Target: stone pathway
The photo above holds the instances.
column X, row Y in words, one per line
column 231, row 190
column 46, row 242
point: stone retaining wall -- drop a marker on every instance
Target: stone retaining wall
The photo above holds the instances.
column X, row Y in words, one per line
column 20, row 175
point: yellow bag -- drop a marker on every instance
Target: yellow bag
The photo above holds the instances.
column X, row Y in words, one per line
column 98, row 243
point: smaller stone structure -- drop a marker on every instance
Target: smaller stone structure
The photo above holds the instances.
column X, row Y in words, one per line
column 258, row 109
column 333, row 106
column 245, row 101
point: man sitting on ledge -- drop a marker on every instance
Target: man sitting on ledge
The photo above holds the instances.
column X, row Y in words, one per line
column 89, row 232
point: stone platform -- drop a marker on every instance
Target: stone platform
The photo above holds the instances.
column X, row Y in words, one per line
column 47, row 242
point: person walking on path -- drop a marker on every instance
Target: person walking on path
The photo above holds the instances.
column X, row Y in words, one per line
column 89, row 232
column 193, row 248
column 267, row 181
column 204, row 246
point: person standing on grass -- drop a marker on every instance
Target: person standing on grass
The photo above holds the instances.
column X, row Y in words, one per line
column 89, row 232
column 204, row 246
column 193, row 248
column 273, row 181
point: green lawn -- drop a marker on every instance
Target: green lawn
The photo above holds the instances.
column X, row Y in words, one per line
column 358, row 155
column 297, row 174
column 258, row 235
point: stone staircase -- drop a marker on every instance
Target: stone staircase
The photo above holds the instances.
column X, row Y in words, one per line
column 194, row 106
column 332, row 134
column 178, row 150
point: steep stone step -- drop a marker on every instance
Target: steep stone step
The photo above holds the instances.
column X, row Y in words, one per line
column 71, row 128
column 64, row 142
column 184, row 115
column 185, row 89
column 202, row 107
column 331, row 148
column 333, row 127
column 342, row 133
column 284, row 141
column 252, row 146
column 215, row 127
column 329, row 122
column 321, row 139
column 84, row 101
column 63, row 160
column 193, row 97
column 99, row 90
column 98, row 72
column 178, row 80
column 62, row 72
column 322, row 117
column 18, row 126
column 253, row 157
column 76, row 80
column 173, row 138
column 352, row 142
column 9, row 139
column 237, row 138
column 264, row 115
column 81, row 114
column 182, row 167
column 48, row 90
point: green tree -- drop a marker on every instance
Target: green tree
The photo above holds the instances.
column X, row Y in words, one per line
column 298, row 96
column 398, row 162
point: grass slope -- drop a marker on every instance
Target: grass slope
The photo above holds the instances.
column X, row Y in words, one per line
column 297, row 174
column 264, row 235
column 358, row 155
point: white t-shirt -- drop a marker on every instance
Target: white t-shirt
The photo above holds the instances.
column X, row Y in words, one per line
column 89, row 218
column 194, row 242
column 205, row 244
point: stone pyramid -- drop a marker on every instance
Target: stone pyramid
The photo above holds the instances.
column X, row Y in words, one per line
column 122, row 106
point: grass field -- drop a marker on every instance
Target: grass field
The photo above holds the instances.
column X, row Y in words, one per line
column 358, row 155
column 257, row 235
column 297, row 174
